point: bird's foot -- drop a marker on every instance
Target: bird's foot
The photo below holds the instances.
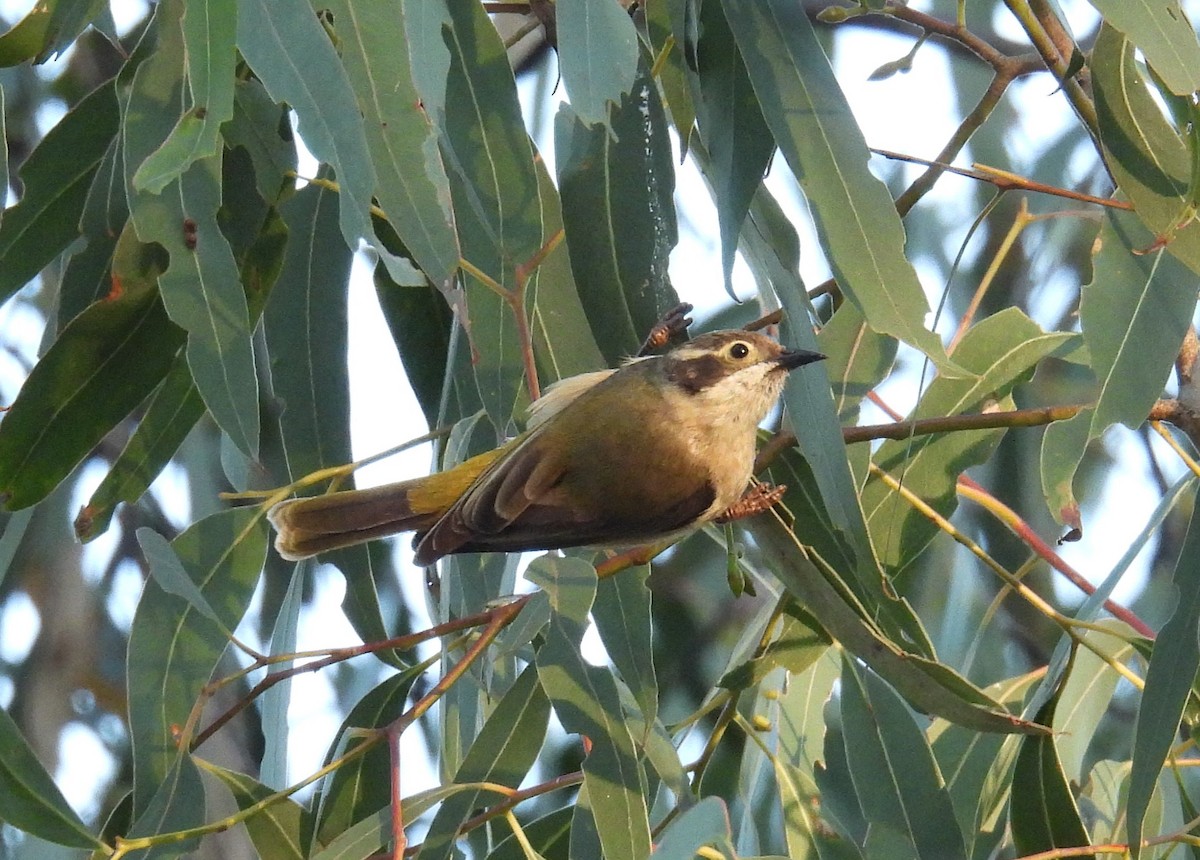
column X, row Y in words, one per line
column 673, row 324
column 759, row 498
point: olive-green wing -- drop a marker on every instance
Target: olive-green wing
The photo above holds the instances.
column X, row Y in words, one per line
column 522, row 503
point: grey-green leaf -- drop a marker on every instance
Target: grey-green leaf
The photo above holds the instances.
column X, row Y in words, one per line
column 57, row 176
column 1147, row 156
column 202, row 286
column 1169, row 679
column 598, row 55
column 30, row 799
column 824, row 146
column 209, row 31
column 705, row 824
column 173, row 648
column 169, row 573
column 412, row 187
column 502, row 753
column 894, row 771
column 1043, row 813
column 587, row 702
column 1163, row 33
column 1134, row 315
column 271, row 34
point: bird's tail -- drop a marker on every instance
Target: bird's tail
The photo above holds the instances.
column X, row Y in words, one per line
column 309, row 526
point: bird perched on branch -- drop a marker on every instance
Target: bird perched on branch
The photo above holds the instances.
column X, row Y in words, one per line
column 622, row 457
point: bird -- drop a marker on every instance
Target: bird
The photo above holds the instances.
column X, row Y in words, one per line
column 614, row 458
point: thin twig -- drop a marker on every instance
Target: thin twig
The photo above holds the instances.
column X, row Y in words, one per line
column 970, row 489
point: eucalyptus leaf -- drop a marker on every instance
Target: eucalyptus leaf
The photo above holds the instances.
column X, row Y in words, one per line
column 1043, row 814
column 1169, row 678
column 276, row 831
column 586, row 700
column 56, row 176
column 816, row 132
column 598, row 47
column 174, row 648
column 201, row 286
column 270, row 35
column 1162, row 32
column 398, row 133
column 31, row 800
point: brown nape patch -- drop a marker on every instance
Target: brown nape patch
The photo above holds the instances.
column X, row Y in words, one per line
column 694, row 375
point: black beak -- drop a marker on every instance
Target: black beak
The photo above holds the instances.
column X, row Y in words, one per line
column 790, row 359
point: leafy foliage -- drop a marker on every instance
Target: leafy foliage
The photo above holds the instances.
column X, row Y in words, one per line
column 897, row 676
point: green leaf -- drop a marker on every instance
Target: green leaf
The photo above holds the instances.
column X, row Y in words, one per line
column 67, row 22
column 105, row 362
column 271, row 35
column 275, row 702
column 27, row 37
column 88, row 273
column 178, row 804
column 1134, row 315
column 738, row 140
column 826, row 493
column 169, row 574
column 1161, row 31
column 587, row 702
column 818, row 135
column 48, row 29
column 928, row 685
column 209, row 31
column 978, row 769
column 676, row 80
column 170, row 415
column 598, row 56
column 1087, row 693
column 363, row 785
column 362, row 840
column 799, row 642
column 173, row 648
column 801, row 721
column 1147, row 157
column 256, row 127
column 306, row 335
column 420, row 322
column 1063, row 445
column 1000, row 352
column 31, row 801
column 562, row 341
column 503, row 753
column 622, row 615
column 857, row 358
column 275, row 831
column 1043, row 814
column 706, row 823
column 495, row 190
column 399, row 135
column 176, row 406
column 201, row 287
column 549, row 835
column 56, row 176
column 1169, row 678
column 12, row 532
column 894, row 771
column 619, row 217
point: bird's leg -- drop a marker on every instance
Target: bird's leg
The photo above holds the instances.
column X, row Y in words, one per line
column 673, row 324
column 757, row 499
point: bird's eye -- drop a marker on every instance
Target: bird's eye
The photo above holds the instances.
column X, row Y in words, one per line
column 739, row 350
